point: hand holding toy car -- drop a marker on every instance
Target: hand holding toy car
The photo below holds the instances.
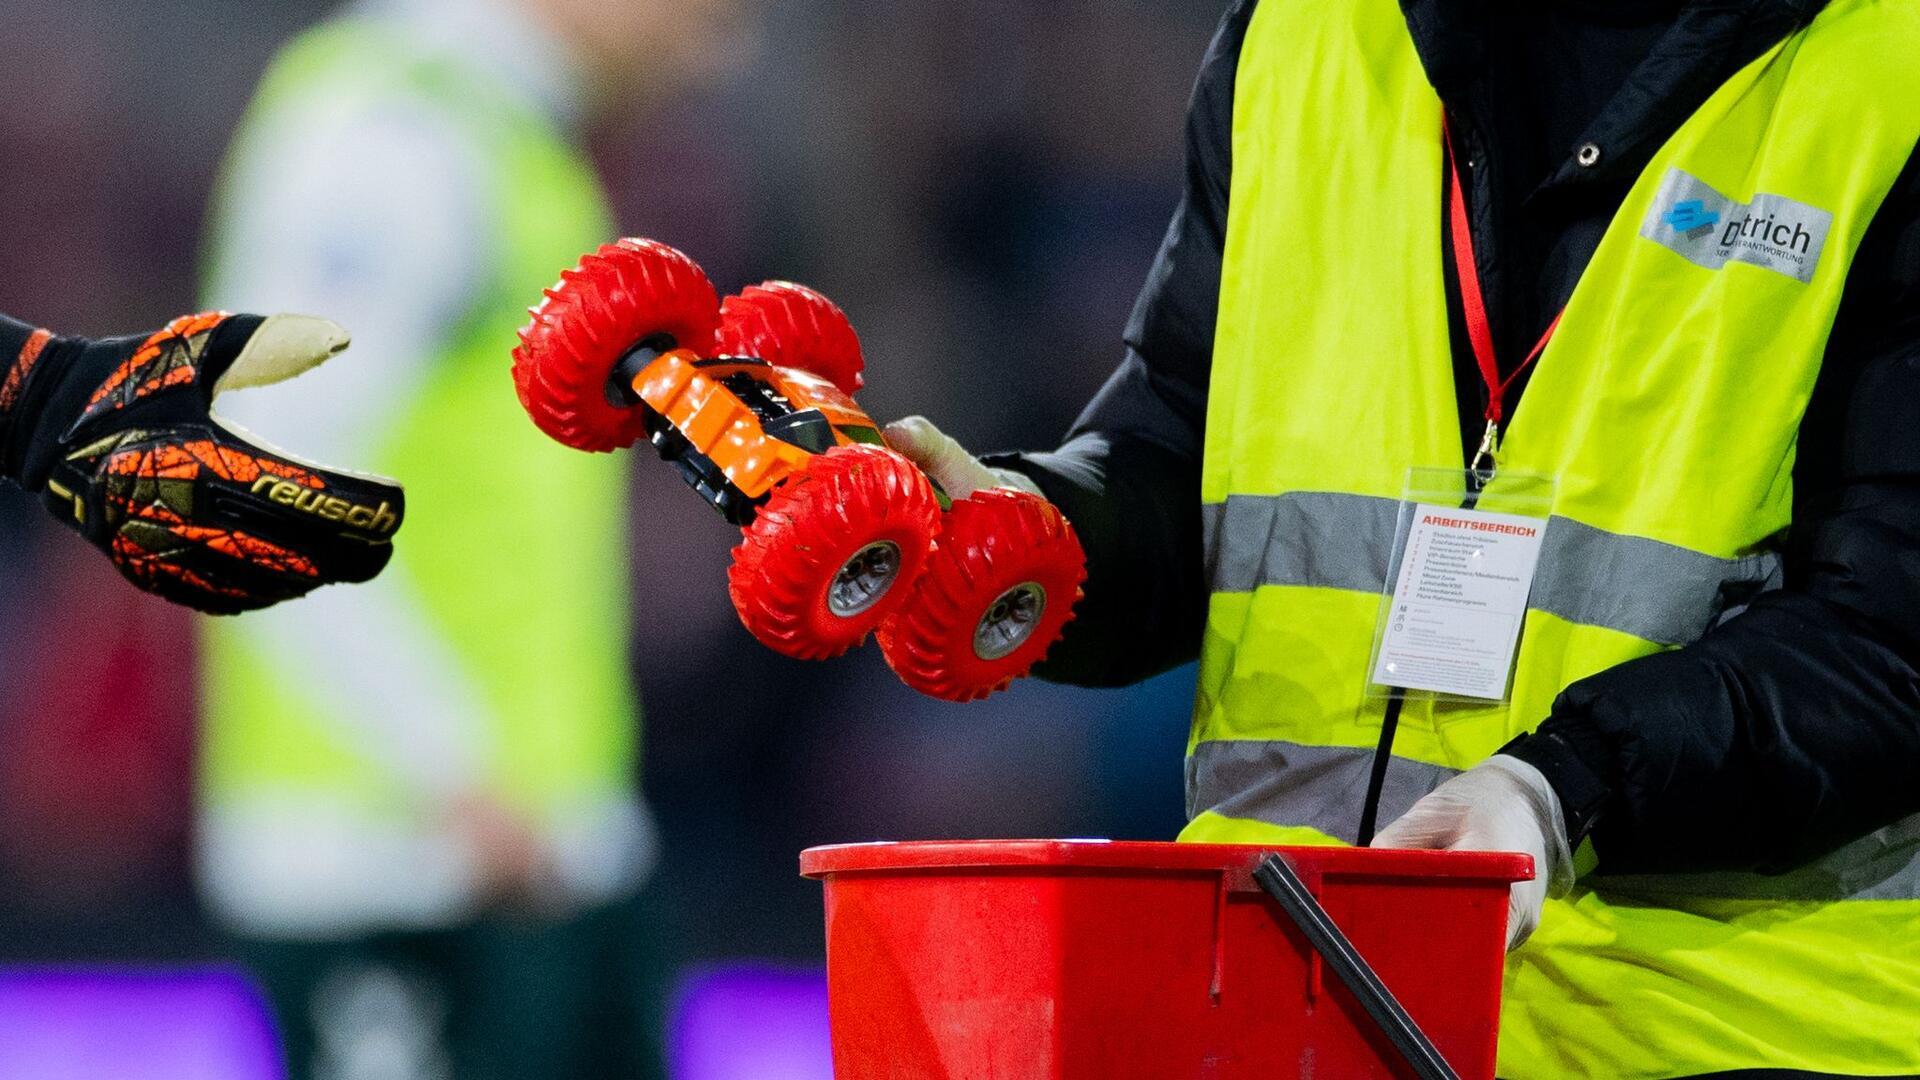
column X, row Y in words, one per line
column 842, row 536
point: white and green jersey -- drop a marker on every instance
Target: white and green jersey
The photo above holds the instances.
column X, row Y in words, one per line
column 407, row 170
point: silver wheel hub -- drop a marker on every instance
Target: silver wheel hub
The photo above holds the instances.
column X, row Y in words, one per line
column 1009, row 621
column 864, row 579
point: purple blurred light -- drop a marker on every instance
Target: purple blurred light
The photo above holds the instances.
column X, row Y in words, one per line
column 106, row 1024
column 751, row 1022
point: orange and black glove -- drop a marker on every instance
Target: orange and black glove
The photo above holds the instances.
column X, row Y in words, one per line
column 119, row 437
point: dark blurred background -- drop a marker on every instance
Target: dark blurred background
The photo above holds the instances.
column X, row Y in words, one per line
column 980, row 184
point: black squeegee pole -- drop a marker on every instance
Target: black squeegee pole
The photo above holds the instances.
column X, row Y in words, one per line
column 1277, row 877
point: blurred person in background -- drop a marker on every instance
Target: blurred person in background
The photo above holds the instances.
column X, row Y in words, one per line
column 418, row 805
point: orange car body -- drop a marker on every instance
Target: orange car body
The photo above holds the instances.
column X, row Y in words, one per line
column 703, row 400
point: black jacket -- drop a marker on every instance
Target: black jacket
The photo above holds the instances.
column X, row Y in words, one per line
column 1790, row 728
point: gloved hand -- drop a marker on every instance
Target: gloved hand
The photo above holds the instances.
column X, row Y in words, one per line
column 120, row 438
column 1501, row 804
column 958, row 473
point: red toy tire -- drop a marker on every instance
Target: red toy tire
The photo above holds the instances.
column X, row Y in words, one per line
column 790, row 325
column 622, row 294
column 790, row 578
column 973, row 625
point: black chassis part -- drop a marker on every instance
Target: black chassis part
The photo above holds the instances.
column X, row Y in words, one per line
column 807, row 429
column 700, row 472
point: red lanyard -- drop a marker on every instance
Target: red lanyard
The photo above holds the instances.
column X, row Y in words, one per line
column 1474, row 304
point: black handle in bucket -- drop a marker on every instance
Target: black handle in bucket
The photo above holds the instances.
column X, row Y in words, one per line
column 1277, row 877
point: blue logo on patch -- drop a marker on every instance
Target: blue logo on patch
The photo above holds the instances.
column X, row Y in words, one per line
column 1690, row 216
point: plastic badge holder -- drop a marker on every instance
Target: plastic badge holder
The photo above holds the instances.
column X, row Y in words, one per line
column 1455, row 629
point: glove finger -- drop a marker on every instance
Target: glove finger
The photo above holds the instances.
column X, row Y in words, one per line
column 217, row 571
column 280, row 347
column 917, row 438
column 1523, row 918
column 343, row 521
column 1423, row 827
column 1403, row 837
column 939, row 455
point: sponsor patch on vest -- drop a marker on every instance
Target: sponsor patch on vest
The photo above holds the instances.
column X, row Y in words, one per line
column 1709, row 229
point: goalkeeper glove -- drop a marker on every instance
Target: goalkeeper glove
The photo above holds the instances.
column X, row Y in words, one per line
column 118, row 436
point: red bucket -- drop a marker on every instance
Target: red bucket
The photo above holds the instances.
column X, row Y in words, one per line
column 1094, row 960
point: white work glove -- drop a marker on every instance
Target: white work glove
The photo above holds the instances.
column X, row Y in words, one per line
column 948, row 463
column 1501, row 804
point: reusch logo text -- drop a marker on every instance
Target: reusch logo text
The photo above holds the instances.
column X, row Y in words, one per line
column 328, row 507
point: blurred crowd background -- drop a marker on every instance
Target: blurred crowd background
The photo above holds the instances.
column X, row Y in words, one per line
column 981, row 185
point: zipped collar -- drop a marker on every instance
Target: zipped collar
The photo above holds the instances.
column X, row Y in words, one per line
column 1709, row 41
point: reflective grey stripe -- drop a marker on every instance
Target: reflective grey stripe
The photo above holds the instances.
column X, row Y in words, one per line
column 1301, row 538
column 1285, row 783
column 1655, row 591
column 1323, row 787
column 1649, row 589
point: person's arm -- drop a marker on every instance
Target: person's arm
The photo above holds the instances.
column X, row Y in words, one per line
column 1128, row 477
column 1794, row 727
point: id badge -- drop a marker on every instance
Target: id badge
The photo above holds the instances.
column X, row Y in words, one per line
column 1455, row 602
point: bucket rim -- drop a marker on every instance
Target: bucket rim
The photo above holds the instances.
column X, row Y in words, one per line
column 1147, row 856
